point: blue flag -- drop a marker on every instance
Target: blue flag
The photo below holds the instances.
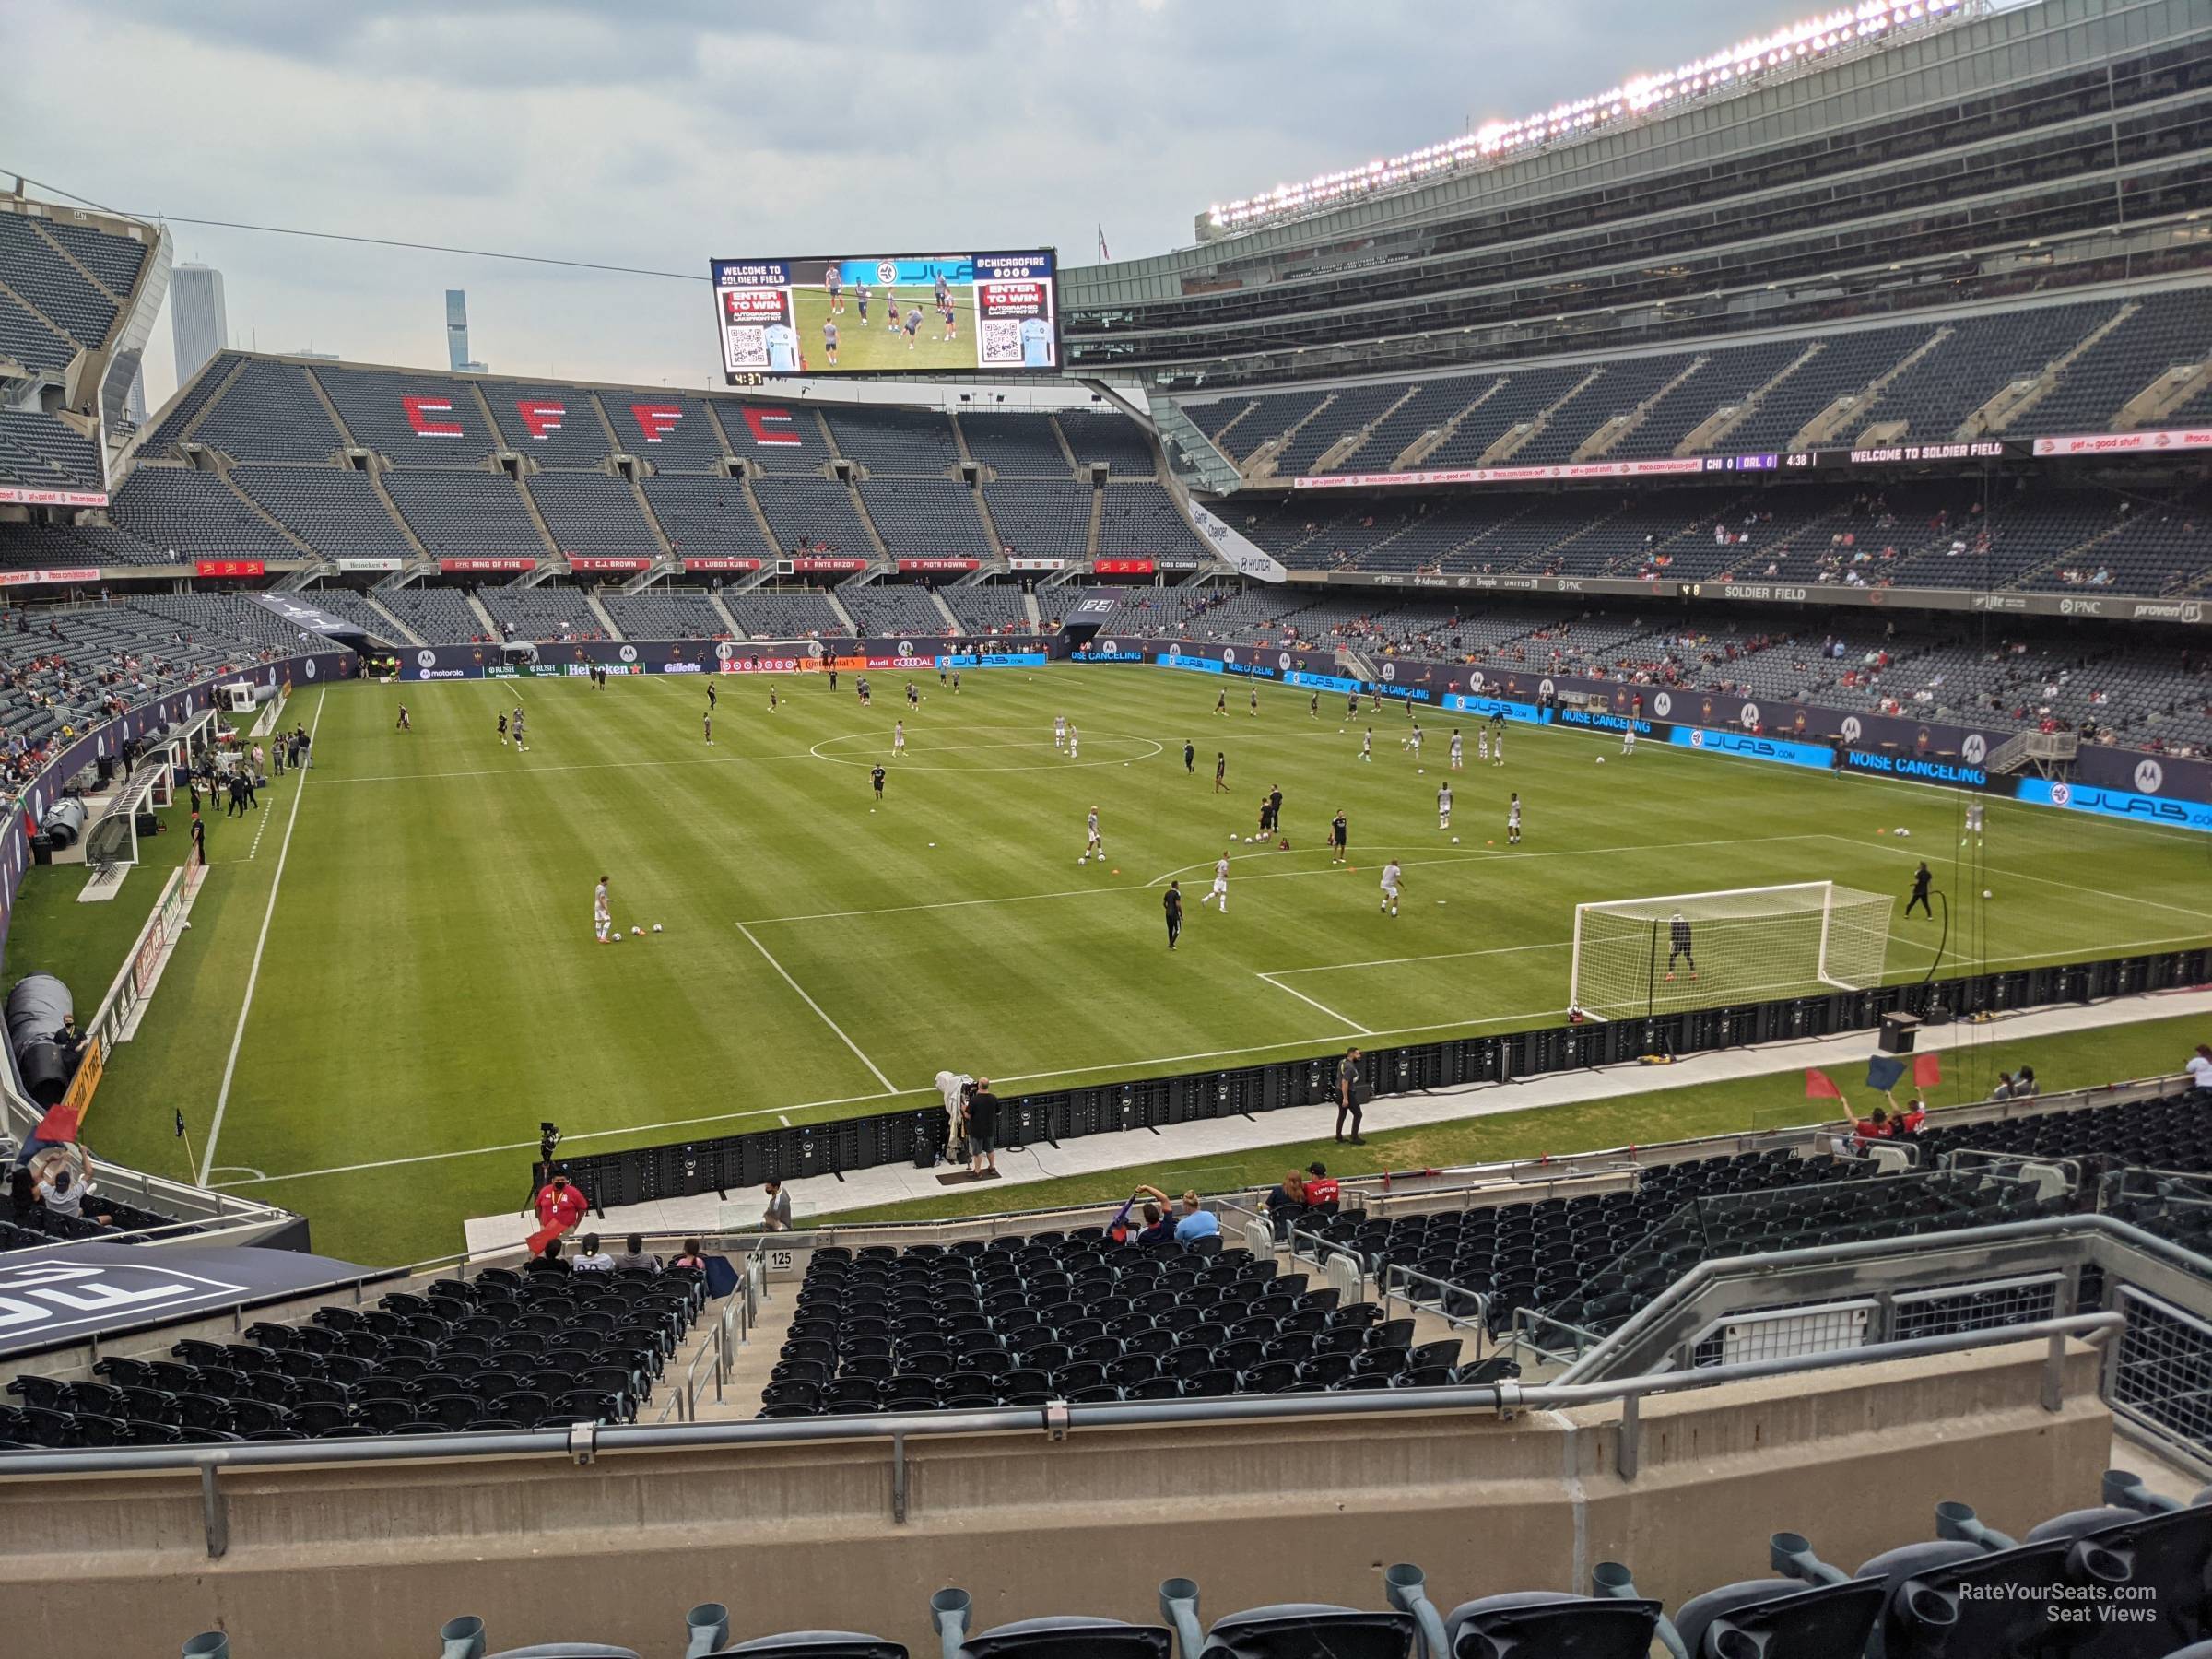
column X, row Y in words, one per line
column 1883, row 1071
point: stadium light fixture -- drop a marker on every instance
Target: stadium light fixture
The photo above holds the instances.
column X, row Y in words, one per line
column 1868, row 22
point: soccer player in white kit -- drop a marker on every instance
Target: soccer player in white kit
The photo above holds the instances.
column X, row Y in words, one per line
column 899, row 737
column 1628, row 740
column 1482, row 743
column 1459, row 750
column 1443, row 806
column 1391, row 875
column 1367, row 744
column 1220, row 890
column 1512, row 822
column 1416, row 743
column 602, row 915
column 1074, row 738
column 1059, row 731
column 1095, row 845
column 1498, row 746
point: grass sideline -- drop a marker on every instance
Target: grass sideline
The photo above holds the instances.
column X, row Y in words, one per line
column 429, row 991
column 2073, row 1060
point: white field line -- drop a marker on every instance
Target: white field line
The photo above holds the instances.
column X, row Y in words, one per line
column 1441, row 717
column 1324, row 1007
column 1410, row 863
column 718, row 1117
column 1442, row 956
column 2050, row 881
column 238, row 1037
column 889, row 1087
column 1470, row 1026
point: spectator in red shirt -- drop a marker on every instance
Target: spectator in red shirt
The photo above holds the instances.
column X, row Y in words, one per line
column 1321, row 1186
column 1874, row 1129
column 561, row 1204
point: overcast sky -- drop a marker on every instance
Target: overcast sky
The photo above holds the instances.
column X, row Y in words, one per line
column 658, row 136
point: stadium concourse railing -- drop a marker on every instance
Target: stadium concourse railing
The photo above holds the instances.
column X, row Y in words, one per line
column 1056, row 1420
column 917, row 1136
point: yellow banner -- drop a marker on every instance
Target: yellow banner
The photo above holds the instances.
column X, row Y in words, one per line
column 89, row 1069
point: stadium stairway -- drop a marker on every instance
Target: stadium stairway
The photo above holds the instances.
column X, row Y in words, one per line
column 1194, row 1143
column 476, row 606
column 722, row 610
column 590, row 597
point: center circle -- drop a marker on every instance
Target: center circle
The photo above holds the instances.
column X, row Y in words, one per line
column 1114, row 748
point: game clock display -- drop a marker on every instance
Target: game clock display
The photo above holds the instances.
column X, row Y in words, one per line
column 891, row 313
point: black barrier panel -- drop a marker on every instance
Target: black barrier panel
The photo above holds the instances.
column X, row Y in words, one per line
column 909, row 1134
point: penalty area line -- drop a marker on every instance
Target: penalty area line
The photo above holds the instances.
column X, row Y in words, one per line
column 1324, row 1007
column 888, row 1088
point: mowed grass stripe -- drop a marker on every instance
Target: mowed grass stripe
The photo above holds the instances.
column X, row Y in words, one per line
column 430, row 987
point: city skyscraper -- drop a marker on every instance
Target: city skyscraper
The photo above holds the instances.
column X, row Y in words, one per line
column 456, row 333
column 196, row 320
column 135, row 401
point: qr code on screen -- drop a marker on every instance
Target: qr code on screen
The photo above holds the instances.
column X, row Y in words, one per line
column 1002, row 341
column 746, row 347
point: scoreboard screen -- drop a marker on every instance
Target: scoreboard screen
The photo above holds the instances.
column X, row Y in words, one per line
column 887, row 313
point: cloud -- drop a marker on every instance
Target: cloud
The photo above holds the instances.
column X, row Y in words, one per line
column 660, row 136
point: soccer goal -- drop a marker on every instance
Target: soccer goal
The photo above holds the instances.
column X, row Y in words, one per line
column 1694, row 950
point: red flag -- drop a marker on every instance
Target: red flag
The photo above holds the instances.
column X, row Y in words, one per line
column 1819, row 1086
column 543, row 1237
column 1927, row 1070
column 60, row 1125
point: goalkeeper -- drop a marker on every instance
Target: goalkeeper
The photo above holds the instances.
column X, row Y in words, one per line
column 1678, row 945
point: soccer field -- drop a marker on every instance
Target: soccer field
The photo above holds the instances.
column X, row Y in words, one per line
column 871, row 346
column 391, row 977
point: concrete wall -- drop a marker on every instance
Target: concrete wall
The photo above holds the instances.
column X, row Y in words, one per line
column 361, row 1561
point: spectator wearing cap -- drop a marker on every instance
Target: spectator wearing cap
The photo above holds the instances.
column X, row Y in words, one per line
column 591, row 1258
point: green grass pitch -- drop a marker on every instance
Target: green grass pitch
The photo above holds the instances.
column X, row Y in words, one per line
column 409, row 938
column 871, row 347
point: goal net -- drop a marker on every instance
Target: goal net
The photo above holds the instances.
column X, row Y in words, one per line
column 1695, row 950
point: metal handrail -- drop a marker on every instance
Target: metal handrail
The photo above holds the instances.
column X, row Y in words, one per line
column 687, row 1398
column 1530, row 1325
column 1479, row 1325
column 1770, row 1265
column 1326, row 1248
column 1056, row 1419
